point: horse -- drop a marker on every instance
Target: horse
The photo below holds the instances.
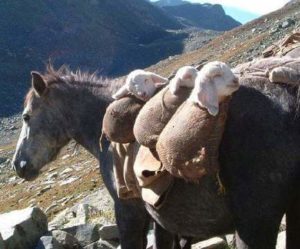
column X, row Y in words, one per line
column 60, row 106
column 259, row 155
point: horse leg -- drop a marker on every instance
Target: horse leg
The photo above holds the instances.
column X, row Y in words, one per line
column 293, row 224
column 257, row 228
column 131, row 215
column 162, row 238
column 133, row 223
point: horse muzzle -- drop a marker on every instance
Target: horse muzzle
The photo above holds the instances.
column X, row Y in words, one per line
column 25, row 170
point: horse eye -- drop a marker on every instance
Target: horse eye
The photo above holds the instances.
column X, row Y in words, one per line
column 26, row 117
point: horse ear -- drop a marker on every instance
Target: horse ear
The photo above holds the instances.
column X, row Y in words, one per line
column 122, row 92
column 38, row 83
column 208, row 98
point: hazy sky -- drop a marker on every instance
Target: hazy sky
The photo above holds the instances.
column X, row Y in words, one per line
column 258, row 7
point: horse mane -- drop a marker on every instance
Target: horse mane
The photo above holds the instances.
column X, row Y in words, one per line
column 64, row 75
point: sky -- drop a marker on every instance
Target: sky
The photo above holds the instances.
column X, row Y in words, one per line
column 258, row 7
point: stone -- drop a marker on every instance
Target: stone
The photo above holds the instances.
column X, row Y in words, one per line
column 68, row 181
column 48, row 242
column 287, row 23
column 85, row 234
column 101, row 244
column 213, row 243
column 281, row 240
column 66, row 171
column 51, row 207
column 22, row 228
column 67, row 240
column 230, row 239
column 109, row 232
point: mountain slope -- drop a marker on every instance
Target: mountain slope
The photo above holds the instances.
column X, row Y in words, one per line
column 241, row 44
column 92, row 34
column 206, row 16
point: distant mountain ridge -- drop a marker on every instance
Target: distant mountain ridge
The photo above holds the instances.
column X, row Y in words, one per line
column 111, row 36
column 206, row 16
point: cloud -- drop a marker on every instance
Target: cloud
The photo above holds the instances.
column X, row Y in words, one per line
column 259, row 7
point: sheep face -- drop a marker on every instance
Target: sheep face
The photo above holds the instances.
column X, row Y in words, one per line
column 213, row 83
column 185, row 77
column 141, row 84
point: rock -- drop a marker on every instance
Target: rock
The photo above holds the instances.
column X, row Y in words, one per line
column 67, row 240
column 53, row 175
column 213, row 243
column 287, row 23
column 2, row 160
column 66, row 171
column 70, row 180
column 230, row 239
column 22, row 228
column 281, row 240
column 101, row 245
column 52, row 206
column 85, row 234
column 44, row 190
column 12, row 128
column 48, row 242
column 109, row 232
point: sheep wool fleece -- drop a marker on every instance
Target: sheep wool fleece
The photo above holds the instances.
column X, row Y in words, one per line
column 156, row 113
column 188, row 145
column 119, row 119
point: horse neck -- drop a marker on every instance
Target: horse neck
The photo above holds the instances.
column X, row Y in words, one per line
column 88, row 109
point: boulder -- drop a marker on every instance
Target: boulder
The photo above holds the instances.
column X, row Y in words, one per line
column 48, row 242
column 101, row 244
column 22, row 228
column 281, row 240
column 67, row 240
column 85, row 234
column 213, row 243
column 109, row 232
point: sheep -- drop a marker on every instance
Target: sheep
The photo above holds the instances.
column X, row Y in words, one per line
column 141, row 84
column 185, row 77
column 213, row 84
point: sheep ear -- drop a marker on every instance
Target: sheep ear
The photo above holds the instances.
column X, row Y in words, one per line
column 158, row 80
column 122, row 92
column 174, row 85
column 38, row 83
column 208, row 98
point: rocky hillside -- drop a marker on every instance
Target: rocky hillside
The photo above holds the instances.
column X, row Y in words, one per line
column 239, row 45
column 206, row 16
column 111, row 36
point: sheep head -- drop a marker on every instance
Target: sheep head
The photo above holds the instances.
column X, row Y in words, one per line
column 141, row 84
column 185, row 77
column 213, row 83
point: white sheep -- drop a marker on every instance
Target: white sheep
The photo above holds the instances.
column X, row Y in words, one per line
column 185, row 77
column 213, row 83
column 141, row 84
